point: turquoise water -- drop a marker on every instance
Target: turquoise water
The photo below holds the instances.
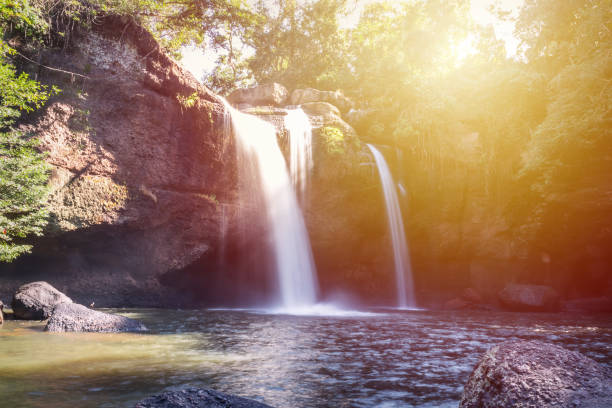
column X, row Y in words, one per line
column 386, row 358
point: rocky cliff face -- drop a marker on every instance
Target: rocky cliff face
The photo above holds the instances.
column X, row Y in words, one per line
column 139, row 169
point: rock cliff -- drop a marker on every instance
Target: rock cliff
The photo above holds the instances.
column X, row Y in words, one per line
column 139, row 169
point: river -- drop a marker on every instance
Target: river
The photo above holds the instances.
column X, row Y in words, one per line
column 382, row 358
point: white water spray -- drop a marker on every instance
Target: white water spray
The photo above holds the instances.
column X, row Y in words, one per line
column 300, row 149
column 403, row 269
column 256, row 139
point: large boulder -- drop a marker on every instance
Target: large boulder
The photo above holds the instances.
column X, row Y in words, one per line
column 320, row 108
column 529, row 298
column 537, row 374
column 198, row 398
column 36, row 301
column 266, row 94
column 72, row 317
column 336, row 98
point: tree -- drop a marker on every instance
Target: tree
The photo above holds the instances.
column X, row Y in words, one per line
column 567, row 160
column 299, row 44
column 23, row 171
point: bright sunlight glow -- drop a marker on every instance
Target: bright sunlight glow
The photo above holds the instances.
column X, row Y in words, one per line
column 200, row 63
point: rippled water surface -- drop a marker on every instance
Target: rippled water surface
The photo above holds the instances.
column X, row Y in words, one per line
column 384, row 359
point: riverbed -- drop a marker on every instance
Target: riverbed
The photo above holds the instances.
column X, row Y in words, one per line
column 380, row 358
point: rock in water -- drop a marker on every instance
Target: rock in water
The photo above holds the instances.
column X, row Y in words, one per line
column 529, row 298
column 198, row 398
column 72, row 317
column 36, row 300
column 537, row 374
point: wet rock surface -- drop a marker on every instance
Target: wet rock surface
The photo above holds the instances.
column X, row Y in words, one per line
column 537, row 374
column 198, row 398
column 36, row 301
column 72, row 317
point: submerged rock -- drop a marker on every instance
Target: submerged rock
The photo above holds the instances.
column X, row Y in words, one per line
column 72, row 317
column 267, row 94
column 537, row 374
column 36, row 301
column 198, row 398
column 529, row 298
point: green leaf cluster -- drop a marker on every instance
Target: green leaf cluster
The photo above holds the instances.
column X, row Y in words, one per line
column 334, row 139
column 23, row 189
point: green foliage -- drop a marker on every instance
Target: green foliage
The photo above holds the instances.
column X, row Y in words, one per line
column 334, row 139
column 568, row 153
column 23, row 171
column 188, row 101
column 18, row 94
column 299, row 44
column 23, row 190
column 231, row 72
column 576, row 58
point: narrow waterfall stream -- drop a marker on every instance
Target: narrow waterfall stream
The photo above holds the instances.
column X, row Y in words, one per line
column 300, row 150
column 256, row 140
column 401, row 257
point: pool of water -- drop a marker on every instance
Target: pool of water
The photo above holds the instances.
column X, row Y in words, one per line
column 384, row 358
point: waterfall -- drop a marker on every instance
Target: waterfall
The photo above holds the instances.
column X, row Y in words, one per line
column 300, row 149
column 259, row 151
column 403, row 269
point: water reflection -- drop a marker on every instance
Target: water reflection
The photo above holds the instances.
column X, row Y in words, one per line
column 389, row 359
